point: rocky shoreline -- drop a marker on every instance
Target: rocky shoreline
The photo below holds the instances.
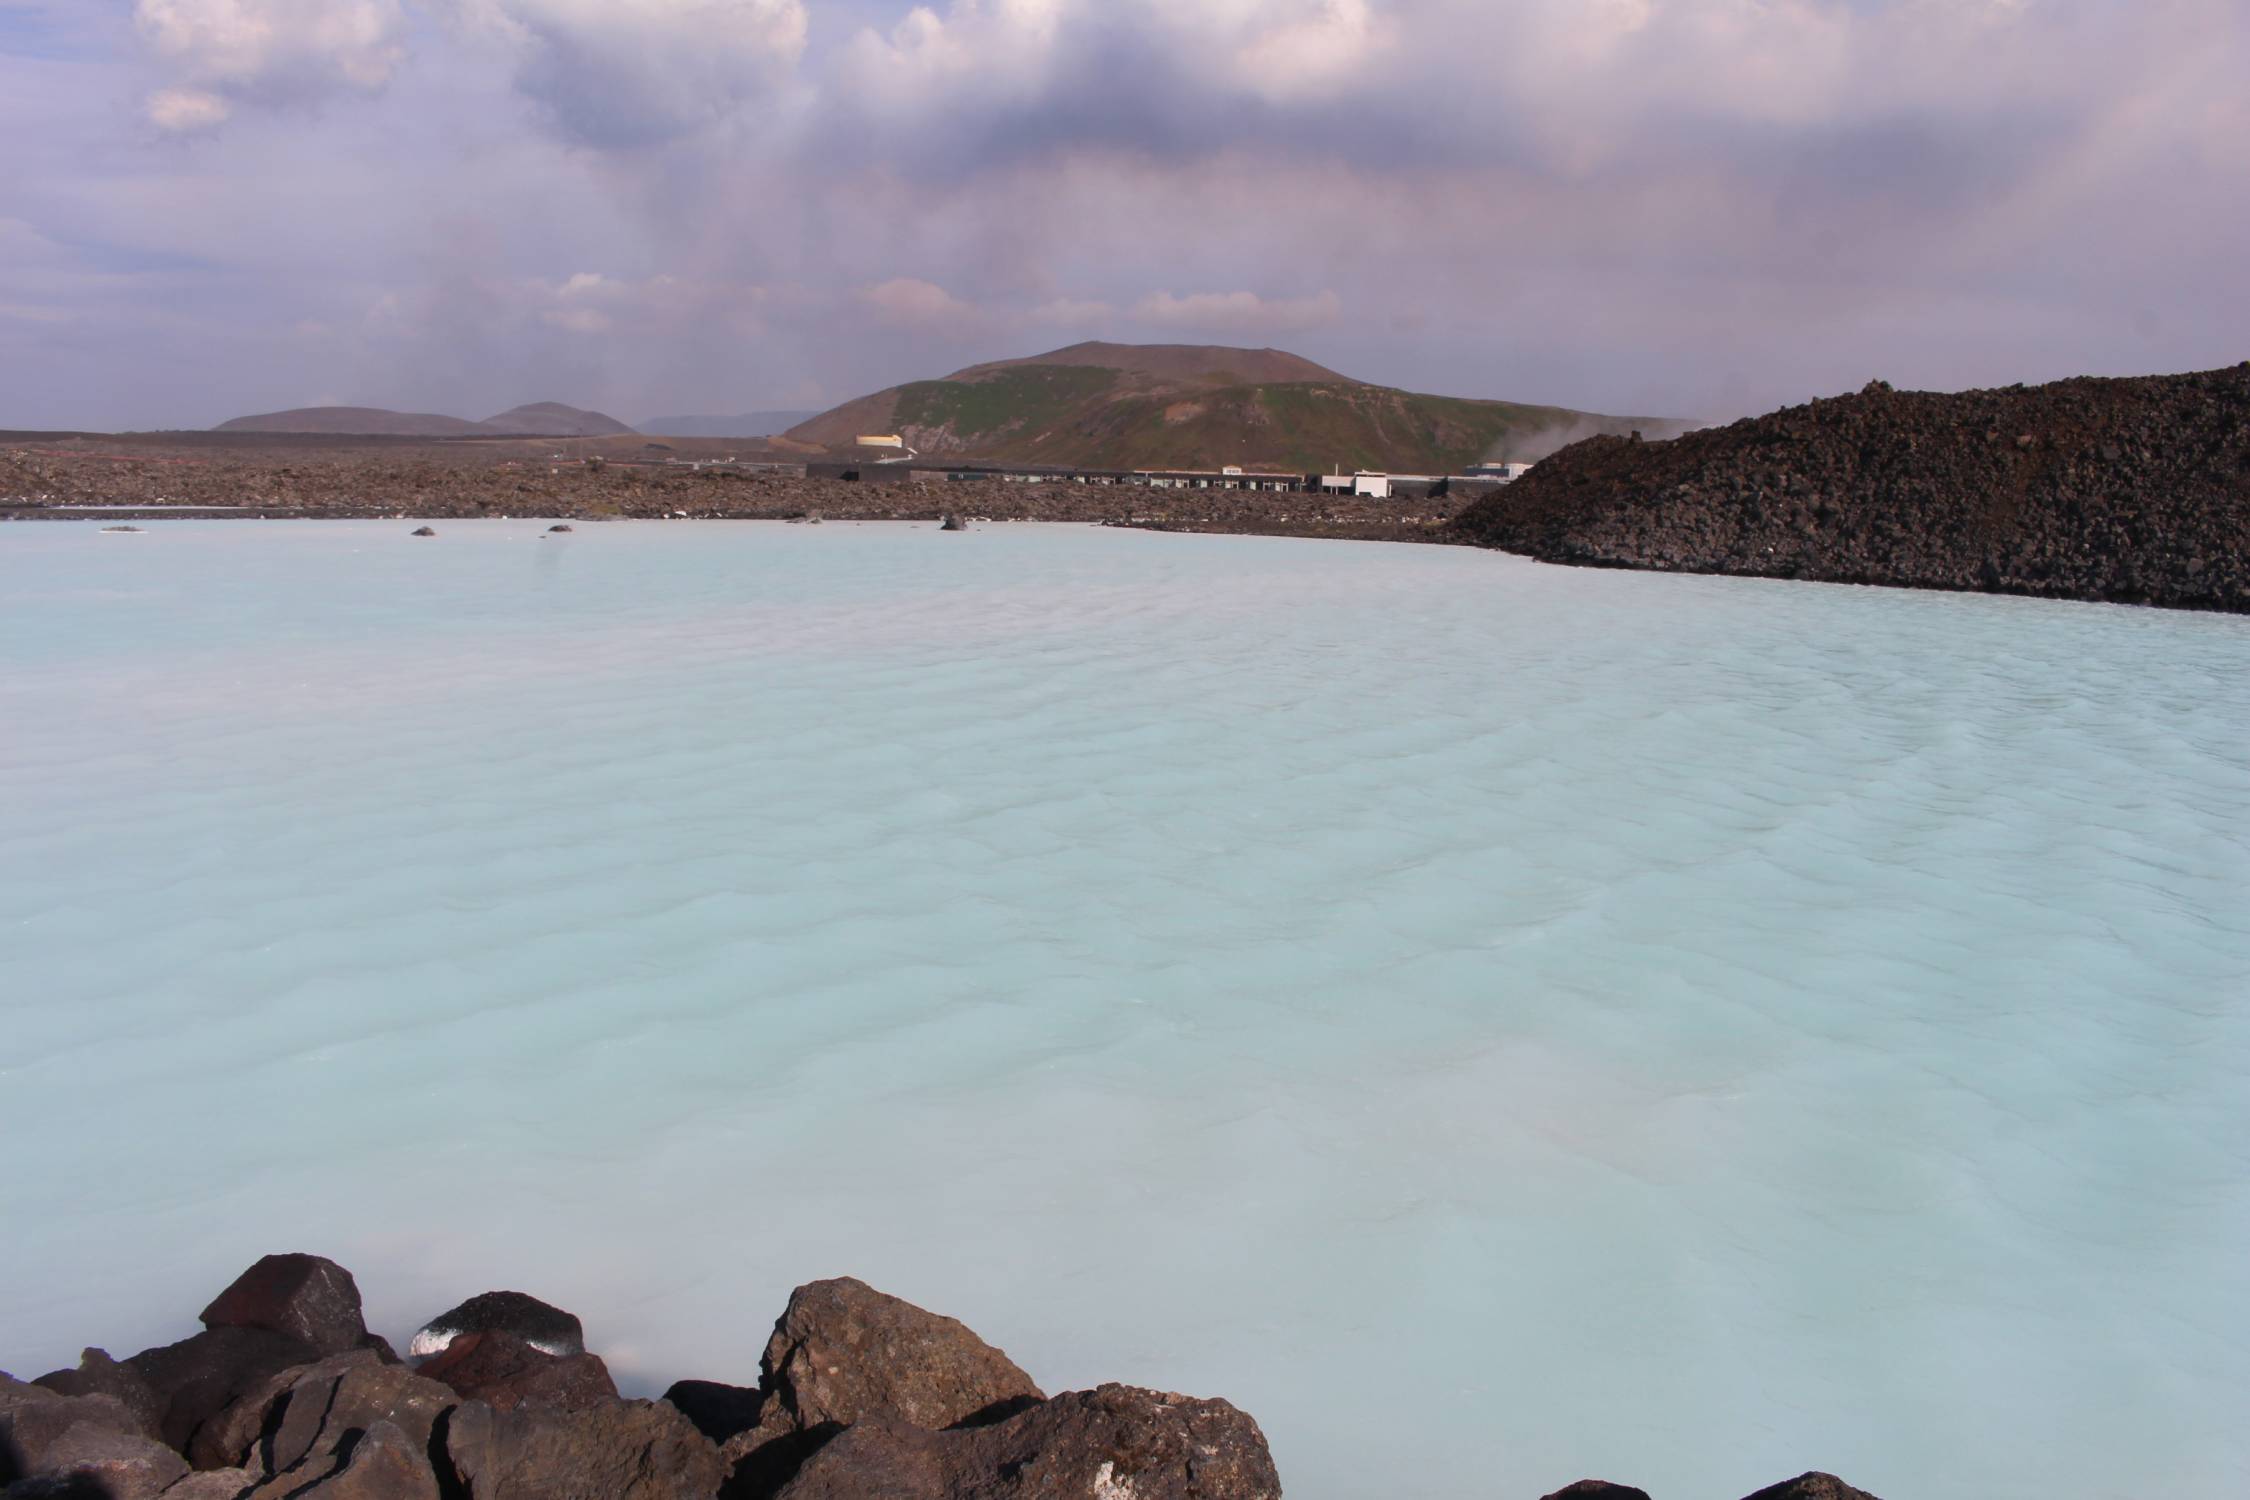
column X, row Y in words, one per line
column 286, row 1395
column 2133, row 491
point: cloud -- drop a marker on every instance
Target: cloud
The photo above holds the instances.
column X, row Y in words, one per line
column 908, row 303
column 1066, row 312
column 225, row 52
column 635, row 73
column 1239, row 312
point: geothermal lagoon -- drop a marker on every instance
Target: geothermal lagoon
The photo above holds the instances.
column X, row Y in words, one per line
column 1496, row 1024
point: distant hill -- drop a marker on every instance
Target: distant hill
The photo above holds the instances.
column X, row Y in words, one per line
column 553, row 419
column 542, row 419
column 355, row 421
column 748, row 425
column 1190, row 406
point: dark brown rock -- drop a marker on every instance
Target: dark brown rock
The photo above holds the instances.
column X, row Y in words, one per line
column 213, row 1484
column 1598, row 1489
column 2136, row 491
column 99, row 1375
column 542, row 1325
column 843, row 1352
column 378, row 1463
column 504, row 1372
column 45, row 1435
column 1814, row 1486
column 626, row 1450
column 307, row 1297
column 425, row 531
column 90, row 1459
column 198, row 1378
column 718, row 1411
column 1115, row 1443
column 231, row 1437
column 322, row 1412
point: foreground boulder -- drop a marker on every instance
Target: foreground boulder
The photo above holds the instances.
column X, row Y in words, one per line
column 99, row 1375
column 623, row 1450
column 504, row 1372
column 300, row 1419
column 380, row 1463
column 61, row 1444
column 1115, row 1443
column 843, row 1352
column 543, row 1326
column 196, row 1379
column 718, row 1411
column 308, row 1297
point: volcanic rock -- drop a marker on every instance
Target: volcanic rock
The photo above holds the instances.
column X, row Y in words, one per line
column 213, row 1484
column 308, row 1297
column 544, row 1327
column 504, row 1372
column 718, row 1411
column 2136, row 491
column 953, row 523
column 1598, row 1489
column 297, row 1420
column 99, row 1375
column 1814, row 1486
column 379, row 1462
column 553, row 529
column 623, row 1450
column 843, row 1352
column 424, row 531
column 103, row 1463
column 1111, row 1443
column 198, row 1378
column 48, row 1436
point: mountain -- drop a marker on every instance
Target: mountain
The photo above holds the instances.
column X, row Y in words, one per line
column 2134, row 490
column 748, row 425
column 1192, row 406
column 355, row 421
column 553, row 419
column 542, row 419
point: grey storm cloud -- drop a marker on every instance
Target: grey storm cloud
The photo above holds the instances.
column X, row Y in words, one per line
column 1696, row 206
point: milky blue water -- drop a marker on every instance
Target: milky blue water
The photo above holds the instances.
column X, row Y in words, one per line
column 1495, row 1023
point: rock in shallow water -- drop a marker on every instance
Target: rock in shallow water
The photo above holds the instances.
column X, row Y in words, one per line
column 504, row 1372
column 843, row 1352
column 545, row 1327
column 1598, row 1489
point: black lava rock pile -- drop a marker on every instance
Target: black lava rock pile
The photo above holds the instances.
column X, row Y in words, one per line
column 2135, row 491
column 285, row 1395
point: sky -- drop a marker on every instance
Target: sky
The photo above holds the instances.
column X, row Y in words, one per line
column 1695, row 208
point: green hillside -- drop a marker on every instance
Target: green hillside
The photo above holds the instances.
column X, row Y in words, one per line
column 1118, row 406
